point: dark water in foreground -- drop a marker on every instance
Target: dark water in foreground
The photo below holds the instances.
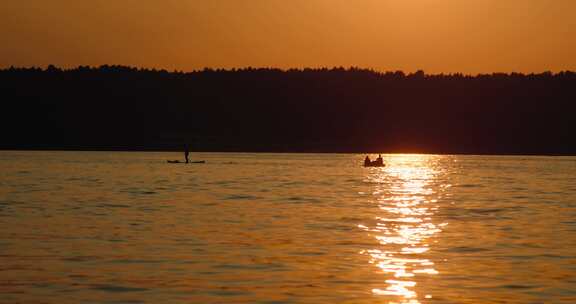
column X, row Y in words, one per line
column 94, row 227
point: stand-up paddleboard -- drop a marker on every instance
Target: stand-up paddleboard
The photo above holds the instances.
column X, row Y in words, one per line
column 183, row 162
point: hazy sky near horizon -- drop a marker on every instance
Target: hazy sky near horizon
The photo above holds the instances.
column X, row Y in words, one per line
column 469, row 36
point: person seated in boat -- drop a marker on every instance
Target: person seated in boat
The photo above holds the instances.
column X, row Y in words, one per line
column 379, row 161
column 367, row 161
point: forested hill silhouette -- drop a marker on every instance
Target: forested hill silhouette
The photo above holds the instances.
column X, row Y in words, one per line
column 308, row 110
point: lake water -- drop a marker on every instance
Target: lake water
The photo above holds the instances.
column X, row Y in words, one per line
column 120, row 227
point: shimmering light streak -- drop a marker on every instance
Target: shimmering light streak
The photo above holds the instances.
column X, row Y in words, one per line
column 407, row 222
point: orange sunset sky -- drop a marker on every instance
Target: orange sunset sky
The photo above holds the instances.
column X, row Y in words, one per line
column 469, row 36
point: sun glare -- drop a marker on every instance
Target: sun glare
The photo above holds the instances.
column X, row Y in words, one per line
column 405, row 226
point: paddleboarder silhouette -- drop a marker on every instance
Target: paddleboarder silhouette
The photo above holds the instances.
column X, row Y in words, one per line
column 186, row 153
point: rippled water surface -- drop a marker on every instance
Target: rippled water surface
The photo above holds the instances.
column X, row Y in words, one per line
column 102, row 227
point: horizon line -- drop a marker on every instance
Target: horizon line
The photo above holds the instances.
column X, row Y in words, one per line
column 49, row 67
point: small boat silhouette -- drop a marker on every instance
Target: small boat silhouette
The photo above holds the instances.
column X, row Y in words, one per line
column 379, row 162
column 375, row 164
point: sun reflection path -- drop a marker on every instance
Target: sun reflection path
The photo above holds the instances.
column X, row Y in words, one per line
column 407, row 197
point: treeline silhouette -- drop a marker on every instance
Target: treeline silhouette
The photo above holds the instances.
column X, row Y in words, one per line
column 296, row 110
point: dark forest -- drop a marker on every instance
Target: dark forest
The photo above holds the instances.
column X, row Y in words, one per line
column 299, row 110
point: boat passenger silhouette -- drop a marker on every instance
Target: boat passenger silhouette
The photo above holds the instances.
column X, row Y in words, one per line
column 367, row 161
column 379, row 161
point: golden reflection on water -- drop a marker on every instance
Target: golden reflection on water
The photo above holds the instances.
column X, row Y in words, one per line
column 408, row 201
